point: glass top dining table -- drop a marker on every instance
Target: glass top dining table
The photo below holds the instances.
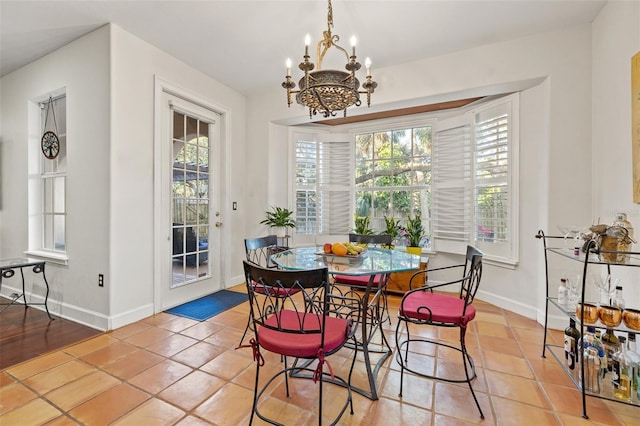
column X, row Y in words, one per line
column 373, row 262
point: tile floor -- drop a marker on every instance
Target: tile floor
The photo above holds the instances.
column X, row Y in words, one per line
column 168, row 370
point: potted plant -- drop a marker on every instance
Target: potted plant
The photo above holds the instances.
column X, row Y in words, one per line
column 414, row 232
column 362, row 225
column 393, row 228
column 280, row 219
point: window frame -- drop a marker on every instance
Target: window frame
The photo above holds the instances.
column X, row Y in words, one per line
column 508, row 255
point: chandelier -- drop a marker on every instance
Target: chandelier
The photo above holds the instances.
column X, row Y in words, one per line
column 329, row 91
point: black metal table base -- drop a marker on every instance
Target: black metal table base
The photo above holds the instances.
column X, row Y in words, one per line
column 7, row 270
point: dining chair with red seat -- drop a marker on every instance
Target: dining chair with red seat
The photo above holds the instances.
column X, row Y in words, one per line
column 258, row 251
column 422, row 306
column 304, row 321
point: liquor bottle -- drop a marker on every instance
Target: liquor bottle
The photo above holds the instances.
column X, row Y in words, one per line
column 611, row 344
column 620, row 378
column 618, row 300
column 634, row 356
column 571, row 337
column 621, row 220
column 562, row 292
column 601, row 353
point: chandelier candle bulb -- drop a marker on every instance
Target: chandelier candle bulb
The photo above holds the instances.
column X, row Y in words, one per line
column 307, row 42
column 367, row 64
column 288, row 67
column 353, row 46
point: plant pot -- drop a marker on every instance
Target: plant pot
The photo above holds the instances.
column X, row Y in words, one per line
column 414, row 250
column 280, row 231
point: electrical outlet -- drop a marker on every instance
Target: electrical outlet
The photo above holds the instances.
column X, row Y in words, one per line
column 100, row 280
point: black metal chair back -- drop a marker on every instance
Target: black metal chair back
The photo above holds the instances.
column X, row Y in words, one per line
column 259, row 250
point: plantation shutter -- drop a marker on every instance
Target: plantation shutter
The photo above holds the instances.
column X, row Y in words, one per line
column 452, row 184
column 495, row 194
column 335, row 176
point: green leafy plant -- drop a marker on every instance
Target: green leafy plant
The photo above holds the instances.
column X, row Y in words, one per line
column 393, row 227
column 414, row 231
column 279, row 217
column 363, row 225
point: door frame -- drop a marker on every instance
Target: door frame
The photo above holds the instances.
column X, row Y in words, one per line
column 162, row 234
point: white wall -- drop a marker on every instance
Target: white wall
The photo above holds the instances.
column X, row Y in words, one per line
column 83, row 68
column 134, row 65
column 109, row 75
column 555, row 141
column 616, row 38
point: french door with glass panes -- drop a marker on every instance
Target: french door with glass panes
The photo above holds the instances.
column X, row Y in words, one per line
column 190, row 167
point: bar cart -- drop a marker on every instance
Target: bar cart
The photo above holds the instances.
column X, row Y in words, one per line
column 590, row 256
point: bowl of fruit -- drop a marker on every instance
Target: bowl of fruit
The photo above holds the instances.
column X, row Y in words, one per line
column 343, row 249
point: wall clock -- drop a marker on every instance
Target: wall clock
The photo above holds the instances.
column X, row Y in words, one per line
column 50, row 143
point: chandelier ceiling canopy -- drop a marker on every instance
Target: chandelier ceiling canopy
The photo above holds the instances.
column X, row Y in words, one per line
column 329, row 91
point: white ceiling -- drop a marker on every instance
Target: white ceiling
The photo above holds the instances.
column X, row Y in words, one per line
column 244, row 44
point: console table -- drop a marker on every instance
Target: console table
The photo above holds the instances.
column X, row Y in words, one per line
column 8, row 269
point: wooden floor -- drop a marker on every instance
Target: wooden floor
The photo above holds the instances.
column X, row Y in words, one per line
column 28, row 333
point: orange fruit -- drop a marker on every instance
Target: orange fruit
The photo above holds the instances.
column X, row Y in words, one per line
column 339, row 249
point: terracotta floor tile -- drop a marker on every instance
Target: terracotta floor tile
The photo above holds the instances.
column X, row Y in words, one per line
column 61, row 421
column 129, row 330
column 499, row 344
column 178, row 324
column 549, row 371
column 386, row 412
column 456, row 401
column 516, row 388
column 225, row 338
column 35, row 412
column 38, row 365
column 74, row 393
column 109, row 405
column 512, row 413
column 172, row 345
column 507, row 364
column 148, row 337
column 5, row 379
column 416, row 390
column 110, row 353
column 442, row 420
column 216, row 408
column 13, row 396
column 132, row 364
column 193, row 421
column 161, row 375
column 198, row 354
column 226, row 365
column 493, row 329
column 161, row 318
column 153, row 412
column 568, row 400
column 58, row 376
column 202, row 330
column 188, row 392
column 90, row 345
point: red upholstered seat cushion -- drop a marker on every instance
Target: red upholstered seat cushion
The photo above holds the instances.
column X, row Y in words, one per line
column 444, row 308
column 298, row 344
column 273, row 291
column 356, row 280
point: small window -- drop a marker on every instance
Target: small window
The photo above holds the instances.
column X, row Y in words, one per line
column 48, row 191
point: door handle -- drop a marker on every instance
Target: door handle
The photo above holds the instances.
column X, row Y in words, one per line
column 218, row 224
